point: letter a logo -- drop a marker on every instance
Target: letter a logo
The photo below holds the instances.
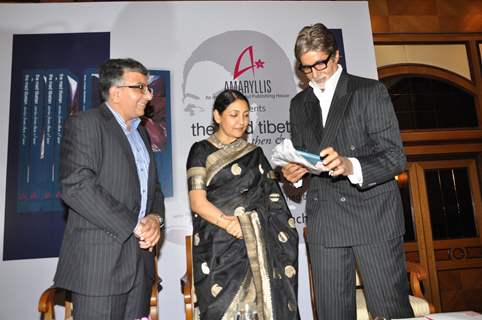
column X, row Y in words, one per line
column 237, row 71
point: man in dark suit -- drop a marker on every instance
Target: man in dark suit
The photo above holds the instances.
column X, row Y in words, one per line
column 354, row 209
column 115, row 204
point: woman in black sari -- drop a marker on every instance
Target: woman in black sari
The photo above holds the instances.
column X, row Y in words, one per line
column 245, row 243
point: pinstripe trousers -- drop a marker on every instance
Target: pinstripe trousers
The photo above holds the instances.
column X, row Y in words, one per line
column 129, row 306
column 382, row 269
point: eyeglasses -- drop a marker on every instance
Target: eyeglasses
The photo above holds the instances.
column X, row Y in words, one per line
column 319, row 65
column 143, row 87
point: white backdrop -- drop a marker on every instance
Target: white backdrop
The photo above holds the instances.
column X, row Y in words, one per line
column 199, row 43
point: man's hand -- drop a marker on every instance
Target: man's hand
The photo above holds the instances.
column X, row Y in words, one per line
column 293, row 172
column 148, row 232
column 336, row 163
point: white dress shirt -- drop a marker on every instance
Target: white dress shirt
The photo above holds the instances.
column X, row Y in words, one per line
column 141, row 156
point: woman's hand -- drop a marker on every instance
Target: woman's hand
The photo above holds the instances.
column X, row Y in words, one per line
column 293, row 172
column 209, row 212
column 232, row 226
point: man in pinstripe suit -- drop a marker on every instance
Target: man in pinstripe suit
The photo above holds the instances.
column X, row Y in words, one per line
column 354, row 211
column 115, row 204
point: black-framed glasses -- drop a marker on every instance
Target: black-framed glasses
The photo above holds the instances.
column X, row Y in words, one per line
column 143, row 87
column 319, row 65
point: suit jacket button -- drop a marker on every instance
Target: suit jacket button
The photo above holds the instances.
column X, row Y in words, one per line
column 342, row 199
column 352, row 147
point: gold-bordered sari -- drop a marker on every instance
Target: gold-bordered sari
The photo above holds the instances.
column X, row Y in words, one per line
column 262, row 267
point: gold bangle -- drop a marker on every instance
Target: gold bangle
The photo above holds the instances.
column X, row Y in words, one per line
column 221, row 216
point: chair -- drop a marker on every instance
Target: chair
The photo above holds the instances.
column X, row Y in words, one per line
column 416, row 272
column 310, row 278
column 187, row 281
column 420, row 305
column 57, row 296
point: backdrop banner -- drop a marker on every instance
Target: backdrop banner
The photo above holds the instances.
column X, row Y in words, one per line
column 194, row 50
column 50, row 80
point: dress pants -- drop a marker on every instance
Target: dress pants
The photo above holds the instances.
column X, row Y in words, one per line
column 383, row 272
column 129, row 306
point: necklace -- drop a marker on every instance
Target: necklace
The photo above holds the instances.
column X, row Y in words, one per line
column 221, row 145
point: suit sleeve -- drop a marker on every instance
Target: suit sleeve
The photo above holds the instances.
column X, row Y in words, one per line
column 79, row 166
column 387, row 159
column 158, row 203
column 296, row 193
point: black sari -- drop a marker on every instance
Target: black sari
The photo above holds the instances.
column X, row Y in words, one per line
column 262, row 267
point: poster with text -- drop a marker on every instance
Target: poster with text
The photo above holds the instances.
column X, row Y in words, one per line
column 52, row 77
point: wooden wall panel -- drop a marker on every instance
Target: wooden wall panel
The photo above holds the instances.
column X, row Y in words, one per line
column 408, row 7
column 425, row 16
column 461, row 289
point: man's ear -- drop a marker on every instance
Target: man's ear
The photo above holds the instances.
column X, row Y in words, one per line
column 114, row 94
column 337, row 56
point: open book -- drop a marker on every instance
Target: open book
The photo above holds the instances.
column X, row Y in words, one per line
column 285, row 153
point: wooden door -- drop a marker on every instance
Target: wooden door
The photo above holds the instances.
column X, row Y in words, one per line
column 446, row 213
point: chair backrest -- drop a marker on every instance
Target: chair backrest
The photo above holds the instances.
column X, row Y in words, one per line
column 358, row 282
column 155, row 288
column 416, row 274
column 187, row 281
column 310, row 276
column 52, row 297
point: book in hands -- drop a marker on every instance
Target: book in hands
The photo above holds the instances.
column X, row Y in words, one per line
column 284, row 153
column 310, row 157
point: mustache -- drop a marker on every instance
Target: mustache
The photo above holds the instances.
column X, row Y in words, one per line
column 323, row 77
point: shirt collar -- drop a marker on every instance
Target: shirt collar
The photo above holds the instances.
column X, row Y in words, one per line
column 330, row 84
column 134, row 123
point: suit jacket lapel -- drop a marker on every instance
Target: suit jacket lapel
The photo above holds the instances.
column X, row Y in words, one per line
column 117, row 131
column 145, row 137
column 152, row 177
column 338, row 106
column 313, row 111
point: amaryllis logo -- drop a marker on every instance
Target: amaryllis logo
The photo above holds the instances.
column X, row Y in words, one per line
column 247, row 52
column 250, row 62
column 246, row 62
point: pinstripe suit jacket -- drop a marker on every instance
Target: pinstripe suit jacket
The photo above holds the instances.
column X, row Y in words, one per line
column 100, row 187
column 361, row 123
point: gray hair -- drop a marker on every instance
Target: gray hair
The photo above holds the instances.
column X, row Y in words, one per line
column 316, row 37
column 111, row 72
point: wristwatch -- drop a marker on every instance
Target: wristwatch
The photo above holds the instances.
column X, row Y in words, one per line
column 161, row 221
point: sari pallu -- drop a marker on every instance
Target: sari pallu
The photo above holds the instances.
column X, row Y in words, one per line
column 261, row 267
